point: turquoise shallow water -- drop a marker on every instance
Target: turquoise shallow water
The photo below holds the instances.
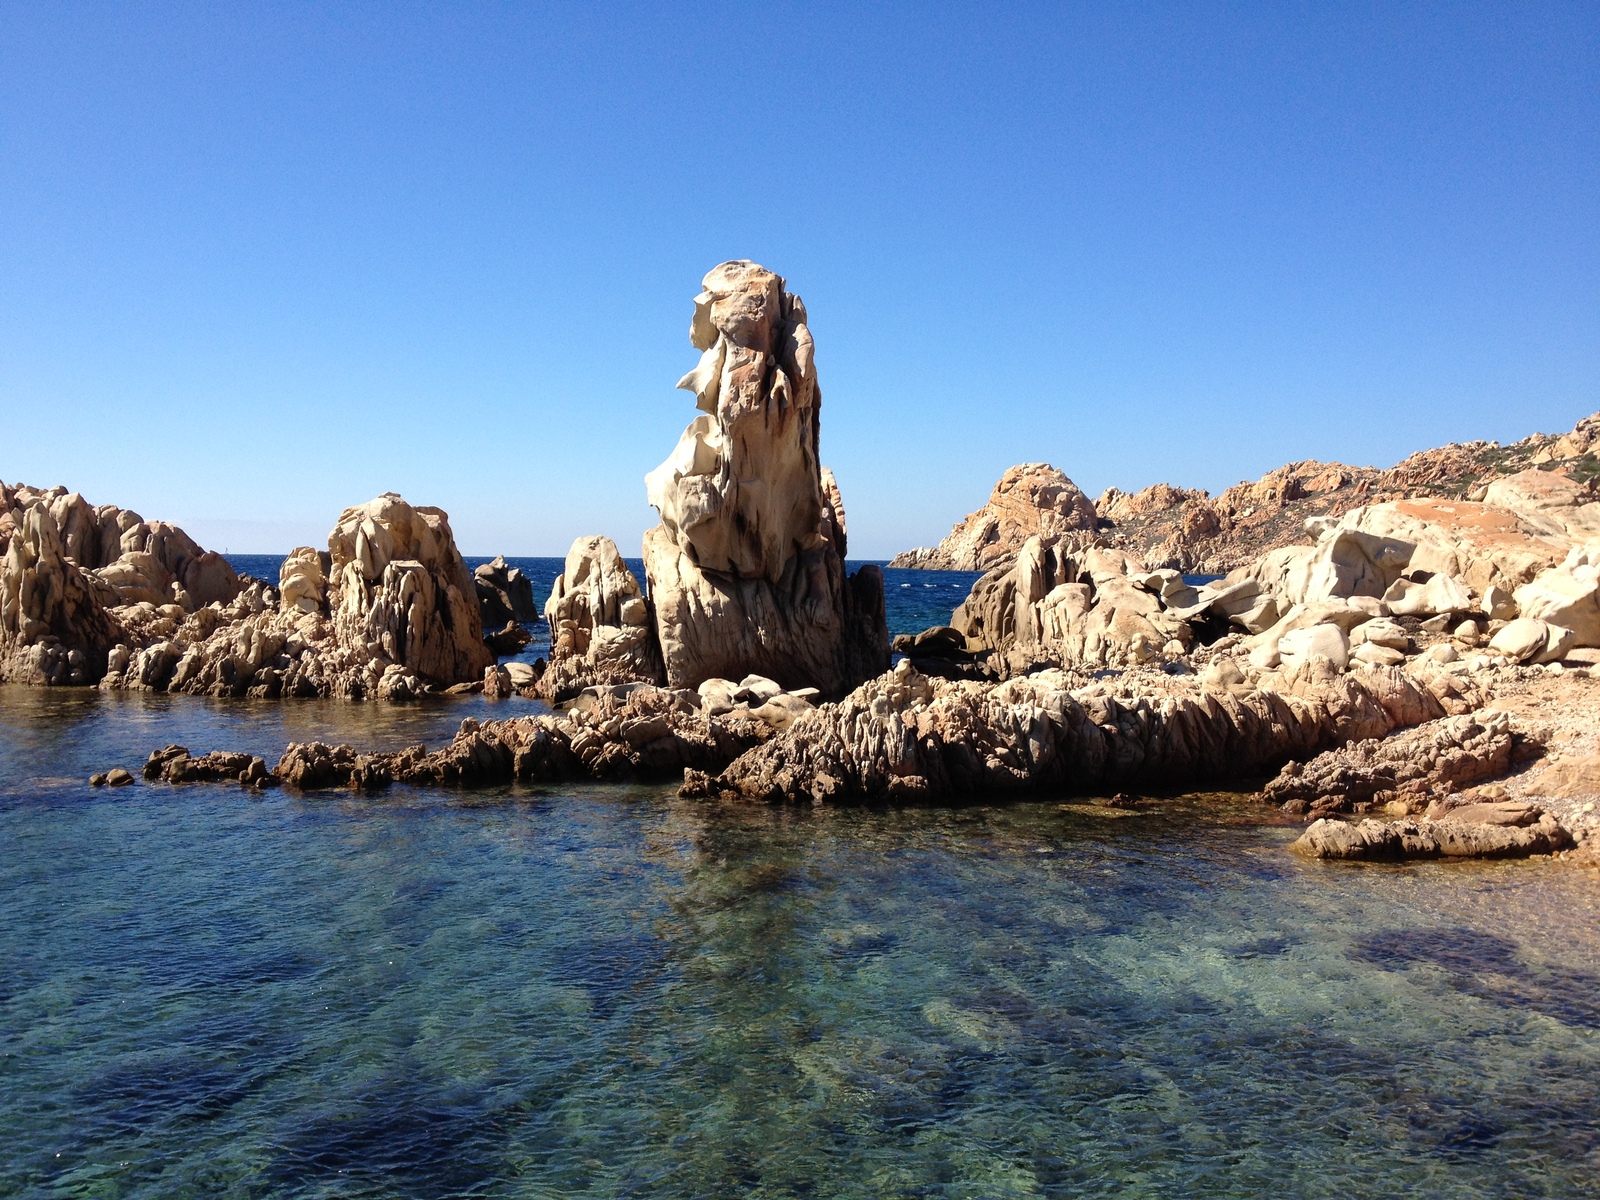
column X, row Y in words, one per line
column 606, row 991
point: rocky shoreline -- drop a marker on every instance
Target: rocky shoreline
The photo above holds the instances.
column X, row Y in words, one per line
column 1387, row 662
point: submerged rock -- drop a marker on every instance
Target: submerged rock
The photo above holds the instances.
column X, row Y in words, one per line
column 173, row 764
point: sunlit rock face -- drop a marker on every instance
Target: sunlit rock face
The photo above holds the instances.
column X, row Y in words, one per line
column 746, row 570
column 53, row 629
column 599, row 623
column 400, row 591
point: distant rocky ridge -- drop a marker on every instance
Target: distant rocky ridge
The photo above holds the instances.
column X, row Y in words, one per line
column 1033, row 499
column 1190, row 531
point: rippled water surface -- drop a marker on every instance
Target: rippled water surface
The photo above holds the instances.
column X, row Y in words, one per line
column 607, row 991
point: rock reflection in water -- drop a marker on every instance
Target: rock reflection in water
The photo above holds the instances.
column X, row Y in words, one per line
column 609, row 991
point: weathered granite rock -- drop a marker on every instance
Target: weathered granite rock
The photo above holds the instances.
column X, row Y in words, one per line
column 1567, row 595
column 746, row 569
column 1192, row 531
column 1030, row 500
column 904, row 736
column 1530, row 640
column 387, row 612
column 504, row 594
column 614, row 733
column 404, row 593
column 53, row 628
column 600, row 630
column 1409, row 768
column 1534, row 832
column 1076, row 605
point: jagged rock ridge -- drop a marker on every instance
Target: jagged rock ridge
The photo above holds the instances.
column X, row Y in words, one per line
column 1191, row 531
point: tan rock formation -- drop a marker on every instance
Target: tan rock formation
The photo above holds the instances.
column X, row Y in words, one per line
column 1031, row 500
column 599, row 623
column 904, row 736
column 1073, row 605
column 388, row 611
column 1526, row 831
column 404, row 595
column 1408, row 770
column 746, row 569
column 52, row 627
column 1192, row 531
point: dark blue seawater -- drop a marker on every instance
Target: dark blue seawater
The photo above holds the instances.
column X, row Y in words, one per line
column 914, row 600
column 601, row 991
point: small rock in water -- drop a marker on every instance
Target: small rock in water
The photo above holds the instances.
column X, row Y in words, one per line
column 98, row 780
column 117, row 777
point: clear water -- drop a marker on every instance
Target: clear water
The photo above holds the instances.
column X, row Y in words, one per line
column 607, row 991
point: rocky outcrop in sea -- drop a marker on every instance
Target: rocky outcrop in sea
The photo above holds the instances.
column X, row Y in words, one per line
column 99, row 596
column 745, row 572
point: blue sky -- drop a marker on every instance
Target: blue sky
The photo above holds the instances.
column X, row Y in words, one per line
column 258, row 263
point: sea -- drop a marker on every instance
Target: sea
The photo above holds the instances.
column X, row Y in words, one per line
column 599, row 990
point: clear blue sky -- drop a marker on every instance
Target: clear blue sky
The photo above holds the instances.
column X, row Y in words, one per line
column 261, row 262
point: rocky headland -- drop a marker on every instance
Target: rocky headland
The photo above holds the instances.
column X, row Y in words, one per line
column 1191, row 531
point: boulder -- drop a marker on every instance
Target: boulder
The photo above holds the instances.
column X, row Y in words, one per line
column 746, row 569
column 504, row 594
column 1567, row 595
column 1530, row 640
column 1326, row 640
column 1072, row 604
column 1437, row 595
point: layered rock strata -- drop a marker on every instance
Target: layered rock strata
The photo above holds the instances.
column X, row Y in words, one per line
column 1404, row 773
column 746, row 570
column 906, row 737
